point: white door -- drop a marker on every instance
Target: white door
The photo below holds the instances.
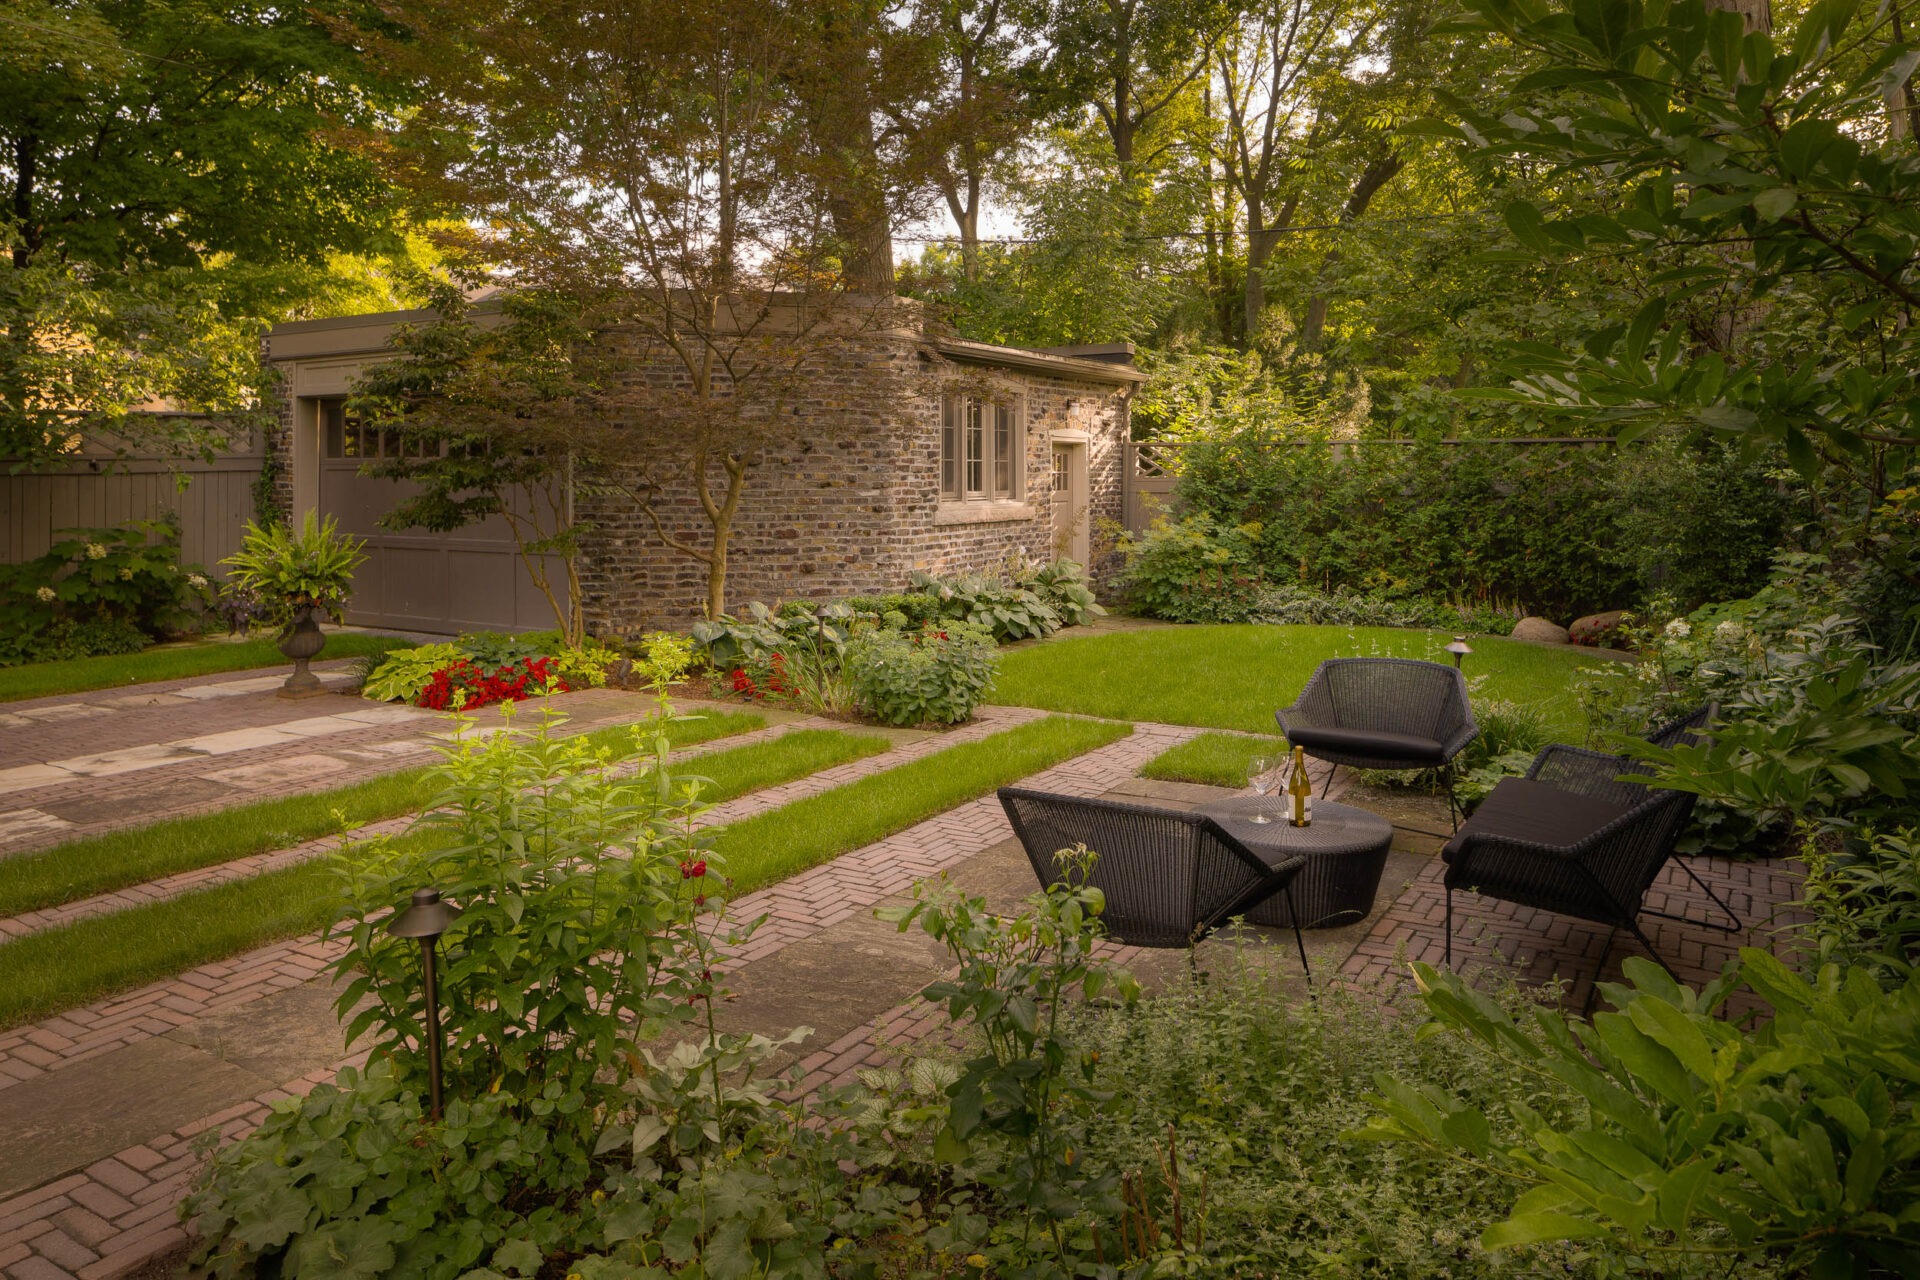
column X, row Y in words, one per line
column 1071, row 512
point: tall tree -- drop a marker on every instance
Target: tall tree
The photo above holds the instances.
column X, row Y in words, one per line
column 1132, row 60
column 171, row 173
column 980, row 67
column 678, row 180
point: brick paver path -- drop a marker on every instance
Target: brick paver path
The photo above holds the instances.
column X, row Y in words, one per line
column 108, row 1216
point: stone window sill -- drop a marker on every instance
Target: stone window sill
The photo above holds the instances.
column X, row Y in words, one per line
column 982, row 512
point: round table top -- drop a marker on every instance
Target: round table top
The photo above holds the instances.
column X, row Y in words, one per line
column 1336, row 828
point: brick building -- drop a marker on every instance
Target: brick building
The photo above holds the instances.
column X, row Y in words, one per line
column 910, row 451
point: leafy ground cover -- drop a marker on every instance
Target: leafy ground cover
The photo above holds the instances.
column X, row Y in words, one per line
column 170, row 662
column 1232, row 677
column 773, row 845
column 1217, row 759
column 83, row 961
column 100, row 864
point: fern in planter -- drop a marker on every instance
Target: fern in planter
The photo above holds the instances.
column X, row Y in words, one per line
column 312, row 568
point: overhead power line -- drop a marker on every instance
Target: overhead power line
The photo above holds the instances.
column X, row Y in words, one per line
column 1296, row 229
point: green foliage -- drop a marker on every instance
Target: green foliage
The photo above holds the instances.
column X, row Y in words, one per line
column 1561, row 530
column 99, row 591
column 1062, row 587
column 999, row 606
column 1013, row 983
column 898, row 611
column 1864, row 896
column 1197, row 570
column 403, row 674
column 174, row 662
column 1232, row 1104
column 1793, row 1139
column 931, row 676
column 287, row 569
column 175, row 184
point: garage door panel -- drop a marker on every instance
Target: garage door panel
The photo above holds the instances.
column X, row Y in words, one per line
column 469, row 579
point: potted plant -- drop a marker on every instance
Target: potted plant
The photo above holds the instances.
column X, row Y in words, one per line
column 299, row 576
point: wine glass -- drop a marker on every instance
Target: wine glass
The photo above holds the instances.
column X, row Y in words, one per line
column 1260, row 776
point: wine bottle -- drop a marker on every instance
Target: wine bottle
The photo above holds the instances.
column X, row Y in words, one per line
column 1299, row 792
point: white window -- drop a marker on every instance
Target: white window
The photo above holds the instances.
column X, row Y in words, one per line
column 981, row 450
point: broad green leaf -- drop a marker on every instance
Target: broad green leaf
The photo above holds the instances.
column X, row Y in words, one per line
column 1539, row 1228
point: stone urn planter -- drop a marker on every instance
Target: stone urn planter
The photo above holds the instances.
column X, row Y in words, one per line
column 302, row 641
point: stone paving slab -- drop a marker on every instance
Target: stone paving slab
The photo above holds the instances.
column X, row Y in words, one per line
column 241, row 747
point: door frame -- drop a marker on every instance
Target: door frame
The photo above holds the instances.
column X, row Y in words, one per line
column 1075, row 540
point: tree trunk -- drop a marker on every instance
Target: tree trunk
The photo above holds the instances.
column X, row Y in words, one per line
column 1376, row 176
column 1758, row 13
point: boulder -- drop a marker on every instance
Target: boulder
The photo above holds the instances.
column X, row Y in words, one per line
column 1599, row 629
column 1540, row 631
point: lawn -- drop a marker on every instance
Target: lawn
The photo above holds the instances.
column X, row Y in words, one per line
column 171, row 662
column 1232, row 677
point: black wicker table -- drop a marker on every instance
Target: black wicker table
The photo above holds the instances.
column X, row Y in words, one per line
column 1345, row 848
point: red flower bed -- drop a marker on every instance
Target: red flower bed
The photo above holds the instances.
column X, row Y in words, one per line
column 515, row 682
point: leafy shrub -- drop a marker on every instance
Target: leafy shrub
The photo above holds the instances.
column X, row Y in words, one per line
column 402, row 674
column 1007, row 611
column 1559, row 530
column 1195, row 570
column 931, row 676
column 1864, row 898
column 1062, row 585
column 1792, row 1140
column 93, row 590
column 914, row 609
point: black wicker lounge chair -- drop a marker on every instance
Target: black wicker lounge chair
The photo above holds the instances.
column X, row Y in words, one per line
column 1382, row 713
column 1571, row 838
column 1170, row 877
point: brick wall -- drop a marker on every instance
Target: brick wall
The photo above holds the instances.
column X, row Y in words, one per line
column 850, row 505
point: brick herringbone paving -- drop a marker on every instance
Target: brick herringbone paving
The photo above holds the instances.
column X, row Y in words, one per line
column 1494, row 940
column 42, row 1232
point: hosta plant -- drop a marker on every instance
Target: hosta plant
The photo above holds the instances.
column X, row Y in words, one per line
column 935, row 676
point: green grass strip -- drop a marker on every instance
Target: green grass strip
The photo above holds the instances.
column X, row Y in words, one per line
column 1217, row 759
column 109, row 671
column 75, row 964
column 798, row 754
column 101, row 864
column 774, row 845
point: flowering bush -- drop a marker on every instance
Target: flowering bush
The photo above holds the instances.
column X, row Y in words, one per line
column 464, row 685
column 933, row 675
column 99, row 591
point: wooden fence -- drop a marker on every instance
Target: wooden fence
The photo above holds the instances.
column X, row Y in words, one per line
column 211, row 500
column 1153, row 466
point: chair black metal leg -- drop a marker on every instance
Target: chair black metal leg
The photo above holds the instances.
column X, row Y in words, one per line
column 1647, row 942
column 1328, row 780
column 1738, row 925
column 1298, row 941
column 1453, row 809
column 1449, row 926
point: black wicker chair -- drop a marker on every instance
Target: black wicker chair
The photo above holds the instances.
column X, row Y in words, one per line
column 1571, row 838
column 1170, row 877
column 1382, row 713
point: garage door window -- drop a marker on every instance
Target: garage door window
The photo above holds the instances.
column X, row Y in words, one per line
column 346, row 436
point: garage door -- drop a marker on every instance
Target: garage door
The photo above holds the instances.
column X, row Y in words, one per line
column 469, row 580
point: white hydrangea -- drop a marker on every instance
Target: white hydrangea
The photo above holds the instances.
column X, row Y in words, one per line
column 195, row 580
column 126, row 575
column 96, row 552
column 1729, row 632
column 1679, row 629
column 46, row 595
